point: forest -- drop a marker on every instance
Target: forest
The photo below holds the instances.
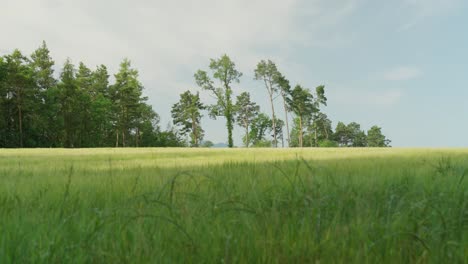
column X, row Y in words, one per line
column 81, row 108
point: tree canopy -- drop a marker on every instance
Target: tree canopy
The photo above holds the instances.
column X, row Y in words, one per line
column 187, row 114
column 79, row 107
column 224, row 70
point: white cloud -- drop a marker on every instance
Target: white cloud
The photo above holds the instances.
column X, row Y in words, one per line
column 402, row 74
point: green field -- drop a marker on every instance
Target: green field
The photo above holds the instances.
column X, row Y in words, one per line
column 234, row 206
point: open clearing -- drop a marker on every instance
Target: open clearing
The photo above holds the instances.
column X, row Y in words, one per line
column 234, row 206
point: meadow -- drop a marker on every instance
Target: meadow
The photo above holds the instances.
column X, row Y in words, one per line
column 382, row 205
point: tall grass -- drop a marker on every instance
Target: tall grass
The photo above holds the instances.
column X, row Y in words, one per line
column 234, row 206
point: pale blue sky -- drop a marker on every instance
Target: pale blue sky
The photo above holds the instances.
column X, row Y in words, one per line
column 398, row 64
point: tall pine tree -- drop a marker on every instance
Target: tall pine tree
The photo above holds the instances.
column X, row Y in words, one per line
column 42, row 65
column 69, row 105
column 126, row 96
column 21, row 100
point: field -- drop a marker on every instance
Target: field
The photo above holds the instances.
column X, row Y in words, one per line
column 234, row 206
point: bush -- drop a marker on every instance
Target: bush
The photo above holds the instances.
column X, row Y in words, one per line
column 262, row 144
column 328, row 144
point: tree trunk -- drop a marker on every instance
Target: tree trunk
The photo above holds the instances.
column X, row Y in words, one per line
column 273, row 120
column 311, row 138
column 20, row 120
column 229, row 126
column 316, row 143
column 194, row 132
column 117, row 138
column 137, row 137
column 246, row 134
column 228, row 114
column 66, row 129
column 300, row 131
column 286, row 118
column 123, row 138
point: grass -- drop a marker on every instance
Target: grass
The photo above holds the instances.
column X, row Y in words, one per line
column 234, row 206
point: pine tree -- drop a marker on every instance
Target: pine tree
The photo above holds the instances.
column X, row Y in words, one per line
column 267, row 72
column 375, row 138
column 246, row 112
column 187, row 115
column 101, row 108
column 302, row 104
column 126, row 95
column 69, row 105
column 84, row 82
column 3, row 106
column 42, row 65
column 285, row 91
column 21, row 99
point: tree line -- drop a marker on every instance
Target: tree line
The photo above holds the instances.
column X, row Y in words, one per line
column 81, row 108
column 311, row 127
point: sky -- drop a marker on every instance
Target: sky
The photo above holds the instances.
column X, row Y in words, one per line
column 400, row 64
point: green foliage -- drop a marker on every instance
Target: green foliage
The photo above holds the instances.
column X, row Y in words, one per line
column 100, row 84
column 19, row 102
column 42, row 65
column 126, row 94
column 100, row 109
column 375, row 138
column 81, row 109
column 246, row 112
column 268, row 73
column 84, row 82
column 147, row 126
column 341, row 135
column 322, row 126
column 207, row 144
column 49, row 127
column 169, row 138
column 187, row 115
column 320, row 98
column 328, row 144
column 278, row 131
column 285, row 91
column 3, row 99
column 357, row 137
column 263, row 143
column 261, row 125
column 224, row 70
column 302, row 104
column 69, row 98
column 3, row 70
column 351, row 135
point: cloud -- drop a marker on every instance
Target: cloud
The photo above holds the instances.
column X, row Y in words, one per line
column 402, row 74
column 164, row 39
